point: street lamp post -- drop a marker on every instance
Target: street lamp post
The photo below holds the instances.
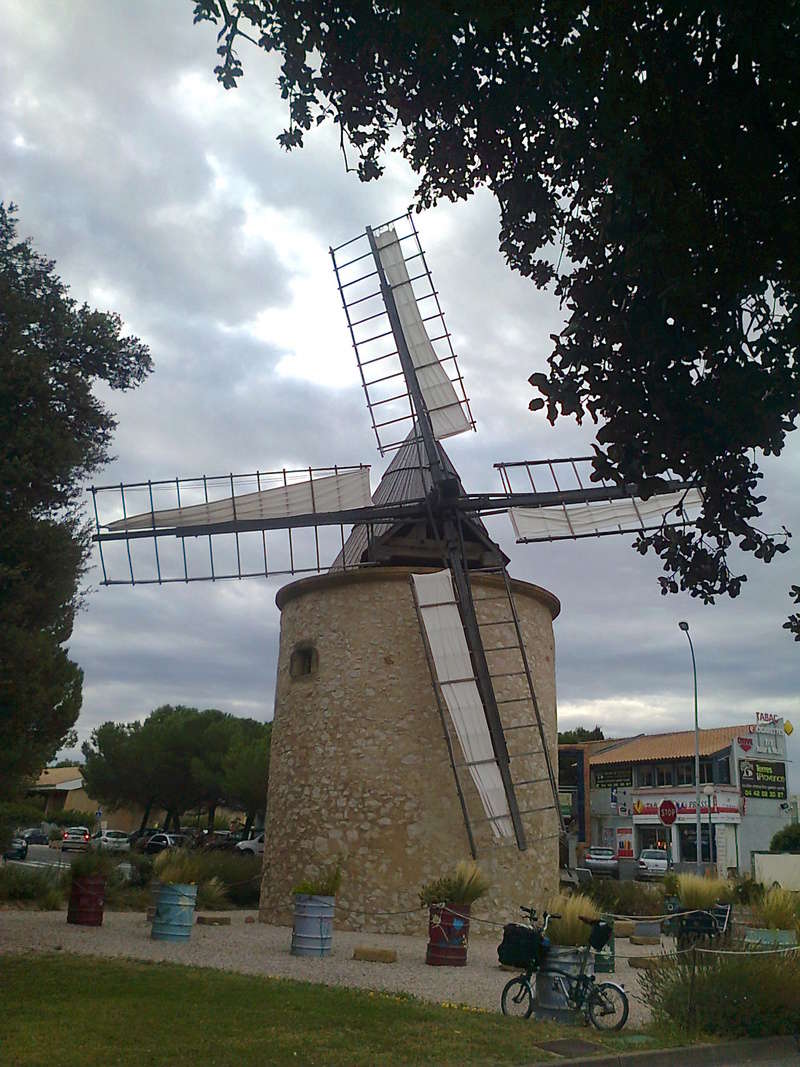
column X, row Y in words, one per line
column 698, row 847
column 709, row 792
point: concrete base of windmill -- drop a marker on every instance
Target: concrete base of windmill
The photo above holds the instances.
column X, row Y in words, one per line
column 448, row 934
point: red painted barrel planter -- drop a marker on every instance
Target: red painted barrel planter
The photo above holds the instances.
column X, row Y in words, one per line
column 448, row 933
column 86, row 900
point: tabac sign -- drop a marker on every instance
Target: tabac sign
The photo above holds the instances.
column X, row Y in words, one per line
column 762, row 779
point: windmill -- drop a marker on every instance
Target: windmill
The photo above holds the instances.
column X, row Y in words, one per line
column 292, row 522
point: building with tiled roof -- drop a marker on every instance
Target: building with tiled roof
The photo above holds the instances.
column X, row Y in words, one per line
column 615, row 790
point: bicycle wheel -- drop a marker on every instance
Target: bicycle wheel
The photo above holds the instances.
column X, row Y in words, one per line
column 517, row 998
column 608, row 1007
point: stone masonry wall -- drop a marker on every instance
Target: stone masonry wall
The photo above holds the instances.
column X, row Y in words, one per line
column 359, row 768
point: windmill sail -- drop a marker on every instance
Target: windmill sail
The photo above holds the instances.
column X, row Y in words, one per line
column 412, row 329
column 454, row 673
column 612, row 517
column 336, row 492
column 447, row 415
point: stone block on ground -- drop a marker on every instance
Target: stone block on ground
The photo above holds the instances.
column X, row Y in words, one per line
column 213, row 920
column 375, row 955
column 640, row 939
column 623, row 927
column 641, row 963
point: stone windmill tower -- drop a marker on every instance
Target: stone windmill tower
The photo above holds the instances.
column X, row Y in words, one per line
column 415, row 716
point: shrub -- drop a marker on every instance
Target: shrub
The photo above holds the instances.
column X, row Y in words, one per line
column 697, row 892
column 627, row 898
column 237, row 876
column 211, row 895
column 70, row 817
column 748, row 995
column 670, row 884
column 569, row 930
column 44, row 888
column 89, row 864
column 464, row 885
column 327, row 884
column 747, row 890
column 786, row 840
column 141, row 869
column 779, row 909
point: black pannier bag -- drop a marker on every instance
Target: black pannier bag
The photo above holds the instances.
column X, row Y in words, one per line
column 521, row 945
column 600, row 936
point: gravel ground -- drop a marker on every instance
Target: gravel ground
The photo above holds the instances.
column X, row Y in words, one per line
column 260, row 949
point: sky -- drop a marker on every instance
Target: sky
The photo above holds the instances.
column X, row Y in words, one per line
column 167, row 199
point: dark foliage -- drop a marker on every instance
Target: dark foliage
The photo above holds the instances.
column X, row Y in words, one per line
column 644, row 159
column 580, row 734
column 786, row 840
column 180, row 759
column 748, row 995
column 54, row 432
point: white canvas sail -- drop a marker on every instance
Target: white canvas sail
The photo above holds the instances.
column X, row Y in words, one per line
column 447, row 415
column 336, row 492
column 448, row 645
column 580, row 520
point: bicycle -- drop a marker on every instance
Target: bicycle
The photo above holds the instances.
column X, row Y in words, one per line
column 604, row 1004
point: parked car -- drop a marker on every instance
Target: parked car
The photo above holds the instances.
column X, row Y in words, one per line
column 254, row 846
column 139, row 838
column 111, row 840
column 75, row 837
column 602, row 861
column 653, row 863
column 35, row 836
column 158, row 842
column 17, row 849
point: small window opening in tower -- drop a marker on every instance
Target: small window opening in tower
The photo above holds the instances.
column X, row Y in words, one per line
column 303, row 661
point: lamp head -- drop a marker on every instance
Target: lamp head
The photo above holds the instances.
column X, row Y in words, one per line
column 684, row 626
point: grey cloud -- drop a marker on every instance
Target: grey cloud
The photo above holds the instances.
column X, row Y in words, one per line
column 121, row 185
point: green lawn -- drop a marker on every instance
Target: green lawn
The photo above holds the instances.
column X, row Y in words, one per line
column 74, row 1010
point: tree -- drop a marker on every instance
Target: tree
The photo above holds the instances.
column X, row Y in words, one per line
column 119, row 769
column 180, row 759
column 579, row 735
column 644, row 158
column 246, row 768
column 53, row 434
column 786, row 840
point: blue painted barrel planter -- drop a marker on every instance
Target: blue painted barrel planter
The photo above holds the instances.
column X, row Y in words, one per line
column 174, row 913
column 312, row 932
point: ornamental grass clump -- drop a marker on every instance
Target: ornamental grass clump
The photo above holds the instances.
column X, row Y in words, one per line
column 569, row 930
column 779, row 909
column 701, row 893
column 626, row 898
column 326, row 884
column 37, row 888
column 752, row 994
column 464, row 885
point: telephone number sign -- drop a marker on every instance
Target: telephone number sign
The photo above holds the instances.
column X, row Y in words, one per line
column 762, row 779
column 613, row 778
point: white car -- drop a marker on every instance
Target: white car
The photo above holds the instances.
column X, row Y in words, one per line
column 76, row 837
column 653, row 863
column 111, row 841
column 254, row 845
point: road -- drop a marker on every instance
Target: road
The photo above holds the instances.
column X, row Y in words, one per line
column 43, row 856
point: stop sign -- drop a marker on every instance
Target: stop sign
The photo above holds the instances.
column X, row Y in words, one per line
column 667, row 812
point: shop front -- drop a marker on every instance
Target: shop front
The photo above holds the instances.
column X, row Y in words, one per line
column 720, row 816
